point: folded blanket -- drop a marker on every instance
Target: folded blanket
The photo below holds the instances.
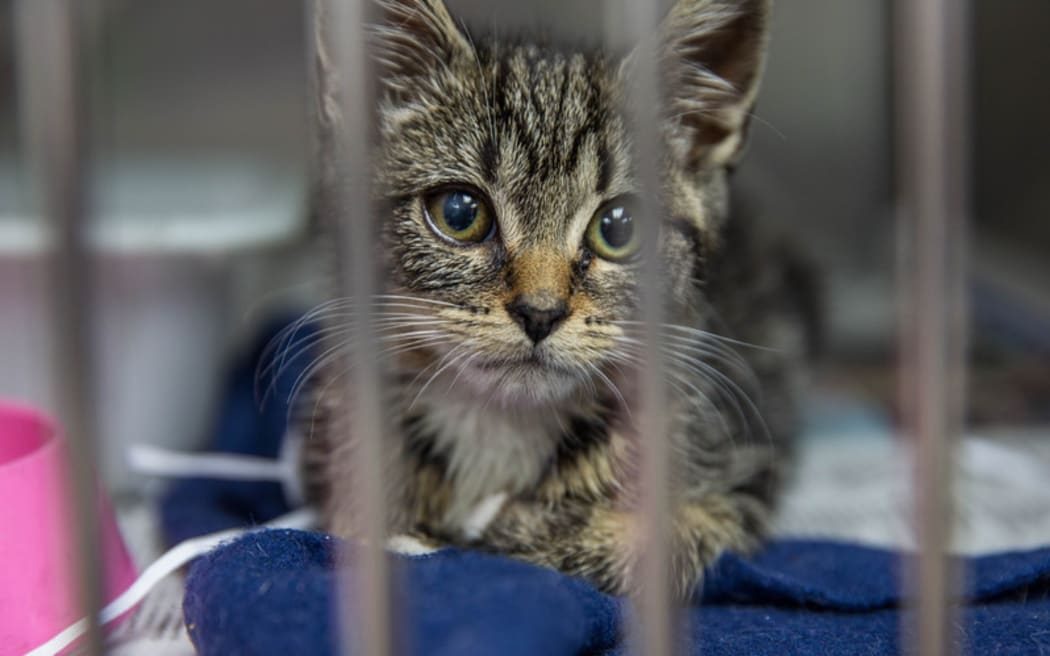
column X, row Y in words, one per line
column 271, row 592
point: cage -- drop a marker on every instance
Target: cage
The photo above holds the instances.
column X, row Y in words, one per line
column 159, row 216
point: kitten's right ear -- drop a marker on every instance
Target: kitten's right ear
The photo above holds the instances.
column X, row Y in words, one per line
column 714, row 55
column 415, row 38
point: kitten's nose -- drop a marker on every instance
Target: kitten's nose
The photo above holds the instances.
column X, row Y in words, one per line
column 538, row 314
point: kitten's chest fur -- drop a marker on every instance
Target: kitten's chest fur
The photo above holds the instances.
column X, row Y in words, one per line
column 486, row 452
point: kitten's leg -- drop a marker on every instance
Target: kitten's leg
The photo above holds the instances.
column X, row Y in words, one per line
column 602, row 544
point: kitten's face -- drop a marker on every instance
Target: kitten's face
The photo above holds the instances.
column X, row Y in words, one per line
column 509, row 182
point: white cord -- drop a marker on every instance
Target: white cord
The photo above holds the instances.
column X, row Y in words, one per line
column 175, row 558
column 152, row 460
column 155, row 461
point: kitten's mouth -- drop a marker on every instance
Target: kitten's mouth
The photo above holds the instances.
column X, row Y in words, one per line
column 526, row 381
column 534, row 361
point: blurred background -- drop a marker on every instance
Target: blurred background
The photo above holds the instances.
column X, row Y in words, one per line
column 200, row 143
column 200, row 138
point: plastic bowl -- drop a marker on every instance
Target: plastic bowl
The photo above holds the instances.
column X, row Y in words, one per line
column 38, row 547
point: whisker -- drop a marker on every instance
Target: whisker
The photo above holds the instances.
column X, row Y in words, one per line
column 393, row 326
column 558, row 419
column 496, row 387
column 462, row 367
column 393, row 337
column 416, row 299
column 295, row 327
column 335, row 307
column 434, row 364
column 591, row 387
column 680, row 382
column 769, row 125
column 307, row 342
column 256, row 307
column 672, row 375
column 322, row 360
column 385, row 354
column 395, row 312
column 388, row 310
column 320, row 312
column 702, row 334
column 321, row 394
column 319, row 363
column 612, row 387
column 708, row 346
column 278, row 365
column 732, row 390
column 728, row 357
column 706, row 399
column 460, row 351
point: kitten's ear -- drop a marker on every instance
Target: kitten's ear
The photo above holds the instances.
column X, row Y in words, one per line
column 415, row 38
column 714, row 58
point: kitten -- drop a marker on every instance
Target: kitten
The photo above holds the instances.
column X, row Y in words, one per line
column 510, row 241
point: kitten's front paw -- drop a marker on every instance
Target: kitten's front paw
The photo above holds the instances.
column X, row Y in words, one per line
column 412, row 545
column 483, row 514
column 699, row 533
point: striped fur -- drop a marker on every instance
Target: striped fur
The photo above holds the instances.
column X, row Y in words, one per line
column 531, row 449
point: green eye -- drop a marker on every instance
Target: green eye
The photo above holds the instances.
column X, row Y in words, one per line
column 461, row 215
column 612, row 234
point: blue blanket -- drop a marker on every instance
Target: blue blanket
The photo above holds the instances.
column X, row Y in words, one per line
column 271, row 591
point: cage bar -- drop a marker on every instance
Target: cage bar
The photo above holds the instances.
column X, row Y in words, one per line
column 50, row 42
column 653, row 630
column 365, row 600
column 932, row 70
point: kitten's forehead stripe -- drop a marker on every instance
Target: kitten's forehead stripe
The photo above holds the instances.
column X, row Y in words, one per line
column 490, row 160
column 563, row 96
column 605, row 172
column 554, row 113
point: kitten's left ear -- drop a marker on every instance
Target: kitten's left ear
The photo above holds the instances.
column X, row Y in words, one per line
column 714, row 58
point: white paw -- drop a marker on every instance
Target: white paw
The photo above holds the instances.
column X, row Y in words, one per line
column 482, row 515
column 406, row 545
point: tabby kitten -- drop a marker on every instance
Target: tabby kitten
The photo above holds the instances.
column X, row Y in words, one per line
column 510, row 241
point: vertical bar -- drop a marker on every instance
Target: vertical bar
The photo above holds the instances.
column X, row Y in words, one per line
column 639, row 21
column 50, row 44
column 933, row 141
column 343, row 38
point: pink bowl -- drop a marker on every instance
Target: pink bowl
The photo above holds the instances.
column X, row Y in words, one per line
column 37, row 542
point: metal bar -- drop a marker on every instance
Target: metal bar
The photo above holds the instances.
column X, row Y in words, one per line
column 366, row 600
column 652, row 634
column 933, row 142
column 50, row 36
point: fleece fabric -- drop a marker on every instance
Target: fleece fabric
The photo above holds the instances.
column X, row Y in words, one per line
column 272, row 592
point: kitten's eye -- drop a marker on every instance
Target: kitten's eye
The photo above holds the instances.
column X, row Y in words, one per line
column 462, row 215
column 612, row 234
